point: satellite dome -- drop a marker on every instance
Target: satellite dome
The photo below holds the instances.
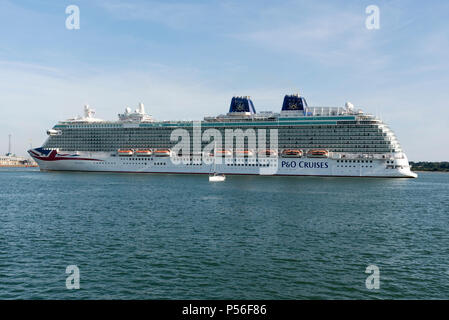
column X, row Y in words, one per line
column 349, row 105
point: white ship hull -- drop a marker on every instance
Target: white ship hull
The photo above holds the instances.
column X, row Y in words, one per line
column 105, row 162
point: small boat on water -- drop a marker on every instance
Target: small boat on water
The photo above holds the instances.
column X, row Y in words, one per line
column 217, row 177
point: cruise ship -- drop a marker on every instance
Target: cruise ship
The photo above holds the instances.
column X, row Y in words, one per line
column 299, row 140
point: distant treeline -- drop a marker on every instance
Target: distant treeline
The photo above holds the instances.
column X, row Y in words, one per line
column 430, row 166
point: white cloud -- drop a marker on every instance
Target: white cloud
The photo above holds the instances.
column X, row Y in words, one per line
column 330, row 37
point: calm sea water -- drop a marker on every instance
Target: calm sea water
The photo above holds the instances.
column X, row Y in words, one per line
column 180, row 237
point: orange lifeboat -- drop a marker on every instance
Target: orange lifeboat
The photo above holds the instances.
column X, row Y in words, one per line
column 162, row 153
column 291, row 153
column 222, row 153
column 143, row 153
column 244, row 153
column 318, row 154
column 125, row 152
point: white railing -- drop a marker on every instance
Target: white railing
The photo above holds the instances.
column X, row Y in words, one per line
column 330, row 111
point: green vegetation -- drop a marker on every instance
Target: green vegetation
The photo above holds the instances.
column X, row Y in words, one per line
column 430, row 166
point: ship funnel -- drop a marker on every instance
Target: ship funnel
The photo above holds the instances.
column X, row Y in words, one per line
column 242, row 104
column 294, row 102
column 349, row 106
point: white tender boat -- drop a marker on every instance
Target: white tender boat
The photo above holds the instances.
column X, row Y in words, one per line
column 216, row 177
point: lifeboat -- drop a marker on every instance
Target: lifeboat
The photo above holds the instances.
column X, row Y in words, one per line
column 222, row 153
column 244, row 153
column 143, row 153
column 318, row 154
column 268, row 153
column 291, row 153
column 125, row 152
column 162, row 153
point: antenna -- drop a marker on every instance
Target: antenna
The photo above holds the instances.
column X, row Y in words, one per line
column 9, row 144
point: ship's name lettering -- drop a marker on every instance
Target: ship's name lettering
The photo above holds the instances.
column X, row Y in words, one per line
column 305, row 164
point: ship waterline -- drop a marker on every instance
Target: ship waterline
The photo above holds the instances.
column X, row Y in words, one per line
column 300, row 140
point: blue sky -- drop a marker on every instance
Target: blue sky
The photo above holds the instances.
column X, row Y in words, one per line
column 186, row 59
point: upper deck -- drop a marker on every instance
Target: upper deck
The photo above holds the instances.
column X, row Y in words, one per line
column 342, row 129
column 241, row 113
